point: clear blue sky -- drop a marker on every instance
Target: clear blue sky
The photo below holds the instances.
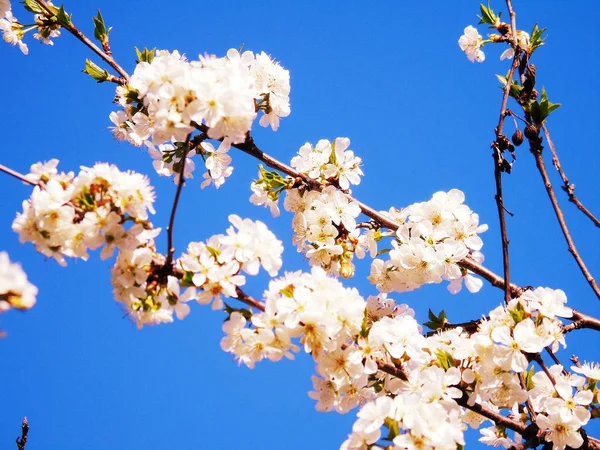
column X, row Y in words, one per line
column 390, row 76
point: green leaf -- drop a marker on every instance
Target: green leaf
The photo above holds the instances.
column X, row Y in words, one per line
column 244, row 312
column 444, row 359
column 33, row 7
column 186, row 280
column 393, row 427
column 488, row 16
column 528, row 378
column 536, row 39
column 63, row 18
column 383, row 251
column 100, row 30
column 518, row 313
column 364, row 330
column 436, row 322
column 515, row 89
column 542, row 109
column 95, row 71
column 145, row 55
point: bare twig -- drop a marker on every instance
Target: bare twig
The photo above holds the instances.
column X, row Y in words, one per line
column 539, row 161
column 83, row 38
column 22, row 440
column 180, row 182
column 568, row 187
column 498, row 147
column 17, row 175
column 581, row 320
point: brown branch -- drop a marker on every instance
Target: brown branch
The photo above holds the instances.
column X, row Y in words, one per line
column 581, row 320
column 22, row 440
column 536, row 150
column 180, row 182
column 463, row 401
column 568, row 187
column 83, row 38
column 17, row 175
column 499, row 145
column 249, row 300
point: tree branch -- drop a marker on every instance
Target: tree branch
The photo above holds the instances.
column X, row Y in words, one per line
column 249, row 300
column 180, row 182
column 568, row 187
column 83, row 38
column 539, row 161
column 17, row 175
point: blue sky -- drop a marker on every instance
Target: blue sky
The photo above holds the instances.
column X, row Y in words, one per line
column 388, row 75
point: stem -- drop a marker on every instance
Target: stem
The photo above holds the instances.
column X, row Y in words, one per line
column 539, row 161
column 17, row 175
column 22, row 440
column 83, row 38
column 180, row 182
column 568, row 187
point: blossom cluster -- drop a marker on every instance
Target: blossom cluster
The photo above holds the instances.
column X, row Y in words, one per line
column 68, row 215
column 152, row 291
column 168, row 97
column 373, row 354
column 432, row 238
column 324, row 224
column 13, row 31
column 15, row 290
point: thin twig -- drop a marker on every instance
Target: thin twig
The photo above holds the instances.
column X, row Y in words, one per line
column 249, row 300
column 568, row 187
column 17, row 175
column 83, row 38
column 582, row 320
column 22, row 440
column 539, row 161
column 180, row 182
column 499, row 159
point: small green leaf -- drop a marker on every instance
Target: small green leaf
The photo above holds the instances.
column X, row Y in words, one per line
column 34, row 7
column 145, row 55
column 95, row 71
column 100, row 30
column 518, row 313
column 515, row 89
column 364, row 330
column 436, row 322
column 536, row 39
column 488, row 16
column 444, row 359
column 393, row 427
column 244, row 312
column 63, row 18
column 383, row 251
column 528, row 378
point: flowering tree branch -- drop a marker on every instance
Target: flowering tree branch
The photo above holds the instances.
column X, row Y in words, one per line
column 15, row 174
column 568, row 187
column 106, row 55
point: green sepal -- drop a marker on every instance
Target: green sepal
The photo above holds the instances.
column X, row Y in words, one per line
column 186, row 280
column 95, row 71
